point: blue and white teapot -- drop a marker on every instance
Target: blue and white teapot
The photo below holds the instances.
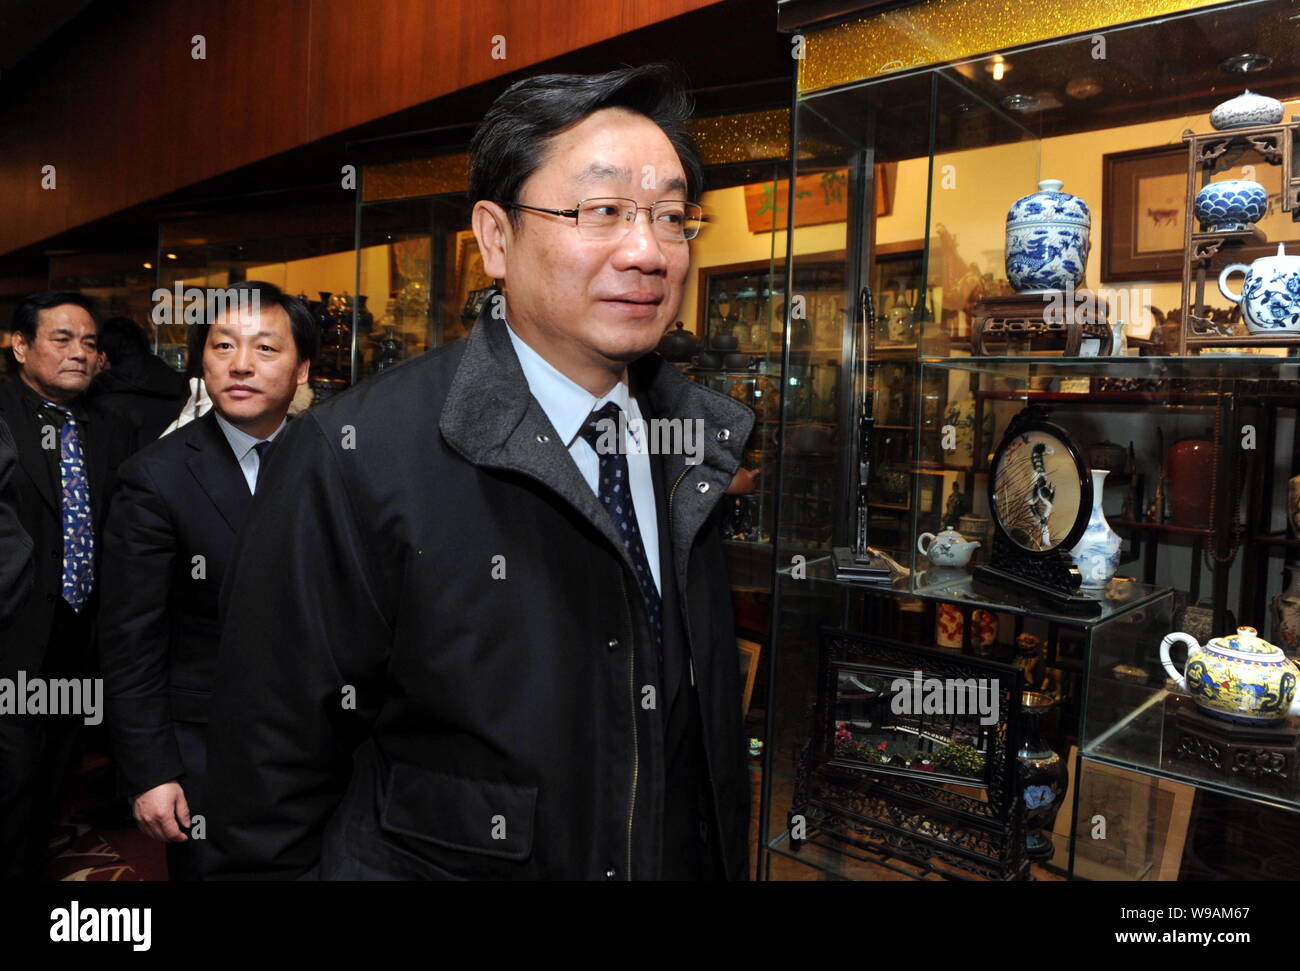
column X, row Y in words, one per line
column 1270, row 297
column 1048, row 236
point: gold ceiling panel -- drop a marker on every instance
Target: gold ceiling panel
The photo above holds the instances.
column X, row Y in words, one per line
column 939, row 31
column 430, row 176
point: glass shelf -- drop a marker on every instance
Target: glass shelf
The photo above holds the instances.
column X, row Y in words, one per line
column 955, row 586
column 1204, row 367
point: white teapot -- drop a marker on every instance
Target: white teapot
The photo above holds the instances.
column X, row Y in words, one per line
column 949, row 548
column 1270, row 296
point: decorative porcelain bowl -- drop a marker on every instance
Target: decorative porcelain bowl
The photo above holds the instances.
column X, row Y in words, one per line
column 1230, row 205
column 1048, row 237
column 1241, row 678
column 1246, row 111
column 1270, row 297
column 949, row 548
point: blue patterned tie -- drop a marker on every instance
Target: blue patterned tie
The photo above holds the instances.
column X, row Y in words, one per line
column 616, row 496
column 78, row 527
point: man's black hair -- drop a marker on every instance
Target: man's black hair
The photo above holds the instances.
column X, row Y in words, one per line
column 510, row 143
column 121, row 338
column 27, row 315
column 306, row 332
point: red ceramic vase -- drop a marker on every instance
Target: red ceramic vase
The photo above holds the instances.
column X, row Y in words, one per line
column 1189, row 471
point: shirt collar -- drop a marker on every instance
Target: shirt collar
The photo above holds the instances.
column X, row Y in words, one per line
column 241, row 443
column 37, row 401
column 566, row 403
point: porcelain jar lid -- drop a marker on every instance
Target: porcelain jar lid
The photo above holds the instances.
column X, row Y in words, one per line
column 1050, row 205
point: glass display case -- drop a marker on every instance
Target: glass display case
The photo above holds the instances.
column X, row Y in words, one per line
column 1019, row 459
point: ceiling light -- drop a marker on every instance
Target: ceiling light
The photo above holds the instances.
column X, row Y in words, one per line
column 171, row 256
column 1019, row 102
column 1246, row 64
column 147, row 266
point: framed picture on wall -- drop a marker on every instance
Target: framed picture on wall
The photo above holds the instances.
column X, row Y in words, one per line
column 1143, row 213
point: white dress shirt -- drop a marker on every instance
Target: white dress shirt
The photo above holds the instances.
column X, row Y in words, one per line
column 241, row 443
column 568, row 405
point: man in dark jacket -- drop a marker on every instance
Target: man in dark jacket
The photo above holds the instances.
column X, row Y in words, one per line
column 15, row 544
column 66, row 457
column 170, row 534
column 465, row 636
column 137, row 388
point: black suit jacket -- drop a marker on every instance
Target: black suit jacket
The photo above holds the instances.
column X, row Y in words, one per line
column 15, row 544
column 167, row 545
column 40, row 511
column 434, row 653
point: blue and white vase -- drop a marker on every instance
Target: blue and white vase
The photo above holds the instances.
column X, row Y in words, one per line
column 1048, row 235
column 1270, row 298
column 1231, row 205
column 1097, row 552
column 1246, row 111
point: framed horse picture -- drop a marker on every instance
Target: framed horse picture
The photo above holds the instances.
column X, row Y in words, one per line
column 1143, row 203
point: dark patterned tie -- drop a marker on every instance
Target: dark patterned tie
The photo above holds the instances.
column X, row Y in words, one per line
column 78, row 526
column 261, row 449
column 615, row 495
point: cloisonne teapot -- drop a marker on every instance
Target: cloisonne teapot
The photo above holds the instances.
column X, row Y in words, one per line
column 1242, row 677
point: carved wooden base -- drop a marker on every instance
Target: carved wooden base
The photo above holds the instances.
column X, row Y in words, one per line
column 1258, row 756
column 1061, row 318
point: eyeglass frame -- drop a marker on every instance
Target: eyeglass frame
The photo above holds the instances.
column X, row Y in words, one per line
column 573, row 214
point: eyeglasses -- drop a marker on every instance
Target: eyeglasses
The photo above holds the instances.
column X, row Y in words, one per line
column 672, row 220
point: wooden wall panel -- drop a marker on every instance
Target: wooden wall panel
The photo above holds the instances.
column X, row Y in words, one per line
column 127, row 115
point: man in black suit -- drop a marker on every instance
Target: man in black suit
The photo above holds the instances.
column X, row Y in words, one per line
column 471, row 631
column 16, row 563
column 66, row 458
column 167, row 546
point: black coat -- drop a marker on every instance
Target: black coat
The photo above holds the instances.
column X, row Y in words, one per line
column 387, row 708
column 143, row 393
column 24, row 643
column 180, row 498
column 15, row 544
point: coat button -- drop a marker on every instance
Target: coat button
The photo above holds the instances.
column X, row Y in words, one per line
column 543, row 439
column 701, row 487
column 613, row 644
column 724, row 434
column 610, row 874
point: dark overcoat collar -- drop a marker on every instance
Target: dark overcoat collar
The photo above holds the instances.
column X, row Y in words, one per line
column 492, row 421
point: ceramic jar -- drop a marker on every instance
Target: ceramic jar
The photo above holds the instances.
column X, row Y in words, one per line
column 1286, row 615
column 1231, row 205
column 1189, row 471
column 1242, row 678
column 1043, row 776
column 1270, row 297
column 1097, row 553
column 1245, row 111
column 948, row 548
column 678, row 345
column 1048, row 236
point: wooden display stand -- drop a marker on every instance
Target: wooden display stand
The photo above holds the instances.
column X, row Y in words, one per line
column 1023, row 318
column 1275, row 144
column 1263, row 756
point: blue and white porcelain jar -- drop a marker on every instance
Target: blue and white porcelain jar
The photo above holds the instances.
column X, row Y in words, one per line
column 1270, row 298
column 1231, row 205
column 1048, row 235
column 1097, row 553
column 1246, row 111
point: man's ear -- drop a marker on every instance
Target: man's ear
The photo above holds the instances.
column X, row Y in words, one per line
column 494, row 233
column 20, row 346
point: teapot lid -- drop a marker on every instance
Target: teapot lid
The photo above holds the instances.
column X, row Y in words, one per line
column 1246, row 641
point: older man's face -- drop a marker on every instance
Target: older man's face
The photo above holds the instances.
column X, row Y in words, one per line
column 59, row 363
column 606, row 301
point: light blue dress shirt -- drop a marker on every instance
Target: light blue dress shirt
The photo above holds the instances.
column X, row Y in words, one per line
column 568, row 405
column 241, row 443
